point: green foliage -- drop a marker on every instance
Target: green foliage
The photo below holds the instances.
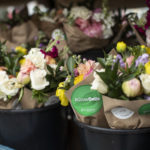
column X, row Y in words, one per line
column 40, row 96
column 55, row 77
column 9, row 60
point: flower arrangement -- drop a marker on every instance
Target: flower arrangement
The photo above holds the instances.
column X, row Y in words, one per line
column 123, row 75
column 95, row 24
column 8, row 68
column 142, row 24
column 41, row 71
column 77, row 70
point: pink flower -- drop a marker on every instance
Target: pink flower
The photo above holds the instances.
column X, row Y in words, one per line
column 53, row 53
column 27, row 67
column 9, row 15
column 81, row 23
column 87, row 68
column 95, row 30
column 129, row 61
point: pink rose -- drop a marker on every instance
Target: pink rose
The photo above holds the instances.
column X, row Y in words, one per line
column 95, row 30
column 27, row 67
column 87, row 68
column 81, row 23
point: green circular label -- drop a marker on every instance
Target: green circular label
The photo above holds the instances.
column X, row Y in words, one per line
column 85, row 101
column 144, row 109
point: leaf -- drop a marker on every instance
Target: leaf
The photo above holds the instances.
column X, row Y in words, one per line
column 60, row 63
column 21, row 94
column 70, row 65
column 50, row 69
column 101, row 61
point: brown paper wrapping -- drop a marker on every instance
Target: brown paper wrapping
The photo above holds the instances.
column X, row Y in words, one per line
column 6, row 105
column 28, row 102
column 96, row 120
column 79, row 42
column 133, row 122
column 48, row 27
column 19, row 34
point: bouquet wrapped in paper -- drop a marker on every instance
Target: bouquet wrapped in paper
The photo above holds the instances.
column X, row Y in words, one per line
column 123, row 82
column 40, row 74
column 17, row 28
column 140, row 26
column 86, row 29
column 80, row 73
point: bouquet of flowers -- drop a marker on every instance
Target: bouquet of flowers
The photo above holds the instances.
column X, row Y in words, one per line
column 40, row 74
column 17, row 28
column 9, row 89
column 49, row 20
column 141, row 26
column 123, row 81
column 93, row 28
column 77, row 71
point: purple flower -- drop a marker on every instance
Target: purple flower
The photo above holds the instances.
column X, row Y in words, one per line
column 142, row 60
column 121, row 62
column 53, row 53
column 41, row 45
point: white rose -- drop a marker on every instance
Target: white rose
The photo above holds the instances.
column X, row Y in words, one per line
column 81, row 12
column 107, row 33
column 58, row 33
column 3, row 76
column 97, row 17
column 65, row 12
column 37, row 58
column 145, row 79
column 98, row 84
column 38, row 79
column 9, row 88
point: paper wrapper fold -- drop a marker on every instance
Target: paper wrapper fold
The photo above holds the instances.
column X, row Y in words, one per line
column 28, row 102
column 122, row 119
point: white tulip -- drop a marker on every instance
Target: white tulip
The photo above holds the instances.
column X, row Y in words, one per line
column 98, row 84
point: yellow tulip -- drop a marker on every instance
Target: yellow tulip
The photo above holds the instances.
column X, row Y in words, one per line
column 121, row 46
column 147, row 67
column 21, row 49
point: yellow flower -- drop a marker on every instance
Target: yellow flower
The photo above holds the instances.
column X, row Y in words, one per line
column 78, row 79
column 22, row 61
column 21, row 49
column 147, row 67
column 61, row 94
column 143, row 46
column 148, row 50
column 121, row 47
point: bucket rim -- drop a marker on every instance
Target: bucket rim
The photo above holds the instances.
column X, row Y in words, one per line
column 111, row 131
column 45, row 108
